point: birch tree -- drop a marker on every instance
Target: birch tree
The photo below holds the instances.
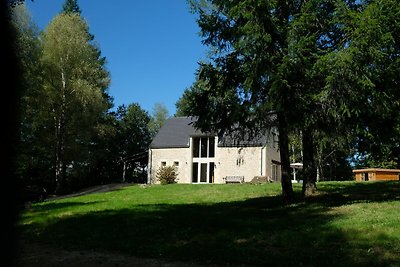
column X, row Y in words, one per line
column 75, row 82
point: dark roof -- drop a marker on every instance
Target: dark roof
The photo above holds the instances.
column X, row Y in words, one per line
column 176, row 131
column 233, row 140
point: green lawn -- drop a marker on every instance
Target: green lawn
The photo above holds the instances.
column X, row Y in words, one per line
column 347, row 224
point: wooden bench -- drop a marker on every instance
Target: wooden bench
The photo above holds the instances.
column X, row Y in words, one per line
column 234, row 179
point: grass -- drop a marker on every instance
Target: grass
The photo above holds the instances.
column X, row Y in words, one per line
column 346, row 224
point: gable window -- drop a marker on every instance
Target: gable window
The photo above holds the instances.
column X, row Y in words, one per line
column 203, row 147
column 274, row 141
column 211, row 147
column 176, row 163
column 196, row 147
column 163, row 163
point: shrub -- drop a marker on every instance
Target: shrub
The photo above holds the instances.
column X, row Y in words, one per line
column 167, row 174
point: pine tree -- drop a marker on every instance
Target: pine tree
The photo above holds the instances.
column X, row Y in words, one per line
column 262, row 63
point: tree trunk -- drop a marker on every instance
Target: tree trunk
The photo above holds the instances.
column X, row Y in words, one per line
column 60, row 140
column 124, row 171
column 309, row 168
column 287, row 189
column 59, row 157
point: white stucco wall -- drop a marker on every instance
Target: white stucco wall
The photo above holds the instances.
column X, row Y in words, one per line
column 170, row 155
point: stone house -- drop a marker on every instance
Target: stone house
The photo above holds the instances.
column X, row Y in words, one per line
column 204, row 158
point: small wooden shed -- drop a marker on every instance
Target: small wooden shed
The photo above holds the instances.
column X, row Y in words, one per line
column 376, row 174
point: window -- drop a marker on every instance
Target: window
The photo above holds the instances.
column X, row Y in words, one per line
column 176, row 163
column 274, row 140
column 203, row 150
column 211, row 152
column 203, row 172
column 196, row 147
column 195, row 172
column 203, row 147
column 163, row 163
column 211, row 173
column 275, row 172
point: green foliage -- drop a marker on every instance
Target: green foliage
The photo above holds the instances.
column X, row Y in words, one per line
column 328, row 68
column 33, row 158
column 183, row 104
column 133, row 137
column 167, row 174
column 159, row 115
column 74, row 83
column 69, row 137
column 64, row 101
column 71, row 6
column 133, row 128
column 263, row 60
column 361, row 81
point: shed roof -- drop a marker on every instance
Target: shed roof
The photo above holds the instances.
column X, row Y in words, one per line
column 176, row 131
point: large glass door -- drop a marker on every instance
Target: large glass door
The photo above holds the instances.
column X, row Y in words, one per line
column 203, row 159
column 203, row 172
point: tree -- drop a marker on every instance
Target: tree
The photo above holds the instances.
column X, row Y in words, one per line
column 265, row 60
column 245, row 79
column 159, row 115
column 235, row 91
column 75, row 83
column 133, row 139
column 365, row 73
column 183, row 104
column 11, row 78
column 71, row 6
column 33, row 161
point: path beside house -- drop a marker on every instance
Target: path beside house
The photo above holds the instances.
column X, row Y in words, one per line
column 91, row 190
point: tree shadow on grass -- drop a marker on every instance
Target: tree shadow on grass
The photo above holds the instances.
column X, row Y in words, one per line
column 342, row 193
column 254, row 232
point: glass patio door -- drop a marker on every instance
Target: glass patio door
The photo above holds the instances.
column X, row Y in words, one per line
column 203, row 152
column 203, row 172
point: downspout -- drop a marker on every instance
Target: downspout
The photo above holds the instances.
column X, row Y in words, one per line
column 190, row 161
column 261, row 171
column 149, row 167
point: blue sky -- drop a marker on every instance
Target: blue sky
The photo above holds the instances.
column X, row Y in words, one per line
column 152, row 46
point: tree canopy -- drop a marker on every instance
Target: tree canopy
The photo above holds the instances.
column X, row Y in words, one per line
column 71, row 6
column 314, row 64
column 159, row 115
column 70, row 137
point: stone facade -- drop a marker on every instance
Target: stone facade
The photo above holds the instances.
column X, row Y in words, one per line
column 244, row 161
column 248, row 162
column 170, row 156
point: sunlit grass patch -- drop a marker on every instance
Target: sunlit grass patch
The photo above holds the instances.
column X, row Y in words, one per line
column 346, row 224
